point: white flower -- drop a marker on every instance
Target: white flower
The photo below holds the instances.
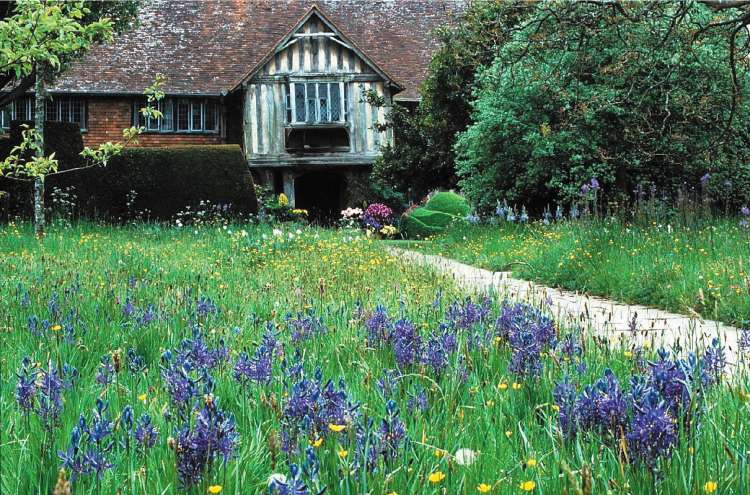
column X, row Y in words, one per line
column 299, row 232
column 243, row 233
column 465, row 457
column 278, row 232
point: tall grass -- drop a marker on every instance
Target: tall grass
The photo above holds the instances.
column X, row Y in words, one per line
column 254, row 275
column 703, row 270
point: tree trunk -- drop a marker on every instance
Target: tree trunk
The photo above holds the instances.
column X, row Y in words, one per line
column 40, row 97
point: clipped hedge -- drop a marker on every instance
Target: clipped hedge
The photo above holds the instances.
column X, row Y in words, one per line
column 449, row 202
column 441, row 210
column 61, row 138
column 165, row 181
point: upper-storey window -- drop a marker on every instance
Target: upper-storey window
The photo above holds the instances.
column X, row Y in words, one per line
column 181, row 115
column 59, row 109
column 316, row 102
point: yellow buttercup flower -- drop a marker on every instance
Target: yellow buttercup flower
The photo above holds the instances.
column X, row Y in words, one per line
column 56, row 328
column 283, row 200
column 627, row 354
column 483, row 488
column 439, row 453
column 142, row 397
column 710, row 486
column 531, row 462
column 317, row 442
column 214, row 489
column 336, row 428
column 516, row 386
column 436, row 477
column 343, row 453
column 528, row 486
column 502, row 386
column 508, row 433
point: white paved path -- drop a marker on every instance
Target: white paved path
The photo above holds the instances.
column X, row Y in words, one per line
column 606, row 319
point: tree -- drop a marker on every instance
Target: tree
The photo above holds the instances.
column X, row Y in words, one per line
column 632, row 94
column 120, row 14
column 36, row 43
column 422, row 158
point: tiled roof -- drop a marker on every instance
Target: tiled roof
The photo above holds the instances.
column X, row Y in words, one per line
column 206, row 47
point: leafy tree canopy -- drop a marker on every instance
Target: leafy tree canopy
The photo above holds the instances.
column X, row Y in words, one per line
column 632, row 94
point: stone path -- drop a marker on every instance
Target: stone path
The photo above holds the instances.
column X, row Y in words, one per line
column 606, row 319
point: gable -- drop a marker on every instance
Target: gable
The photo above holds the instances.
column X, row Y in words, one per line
column 317, row 46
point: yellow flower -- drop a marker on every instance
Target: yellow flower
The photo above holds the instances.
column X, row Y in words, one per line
column 508, row 433
column 336, row 428
column 343, row 453
column 490, row 403
column 283, row 200
column 214, row 489
column 483, row 488
column 627, row 354
column 392, row 493
column 710, row 486
column 555, row 408
column 142, row 397
column 436, row 477
column 317, row 442
column 527, row 486
column 502, row 386
column 516, row 386
column 439, row 453
column 56, row 328
column 531, row 462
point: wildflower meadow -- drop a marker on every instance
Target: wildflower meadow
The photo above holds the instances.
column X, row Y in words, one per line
column 297, row 360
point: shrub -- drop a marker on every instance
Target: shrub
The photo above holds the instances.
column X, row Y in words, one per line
column 441, row 210
column 61, row 138
column 161, row 180
column 653, row 107
column 449, row 202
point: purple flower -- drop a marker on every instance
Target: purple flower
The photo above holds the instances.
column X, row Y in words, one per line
column 213, row 436
column 205, row 307
column 745, row 211
column 379, row 327
column 376, row 216
column 463, row 316
column 407, row 343
column 392, row 432
column 528, row 333
column 585, row 189
column 714, row 362
column 146, row 433
column 89, row 445
column 259, row 367
column 305, row 326
column 744, row 339
column 106, row 372
column 26, row 386
column 594, row 184
column 566, row 397
column 652, row 433
column 704, row 179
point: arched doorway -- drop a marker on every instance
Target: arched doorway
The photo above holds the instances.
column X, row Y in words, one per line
column 320, row 193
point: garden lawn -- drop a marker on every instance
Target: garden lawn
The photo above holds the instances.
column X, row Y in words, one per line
column 164, row 360
column 700, row 270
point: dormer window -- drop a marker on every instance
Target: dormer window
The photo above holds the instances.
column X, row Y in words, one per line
column 316, row 103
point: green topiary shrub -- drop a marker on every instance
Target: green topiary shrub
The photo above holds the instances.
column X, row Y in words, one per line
column 449, row 202
column 161, row 180
column 441, row 210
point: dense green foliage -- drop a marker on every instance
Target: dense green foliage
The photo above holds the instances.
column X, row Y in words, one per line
column 704, row 270
column 422, row 158
column 165, row 181
column 61, row 138
column 440, row 211
column 93, row 287
column 631, row 96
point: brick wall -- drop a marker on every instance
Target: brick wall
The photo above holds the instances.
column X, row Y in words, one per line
column 107, row 117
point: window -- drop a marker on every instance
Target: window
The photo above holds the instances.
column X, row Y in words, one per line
column 18, row 109
column 67, row 109
column 316, row 102
column 181, row 115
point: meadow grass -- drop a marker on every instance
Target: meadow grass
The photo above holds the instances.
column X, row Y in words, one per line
column 703, row 270
column 93, row 285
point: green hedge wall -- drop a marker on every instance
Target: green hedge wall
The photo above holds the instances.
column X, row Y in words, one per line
column 166, row 180
column 61, row 138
